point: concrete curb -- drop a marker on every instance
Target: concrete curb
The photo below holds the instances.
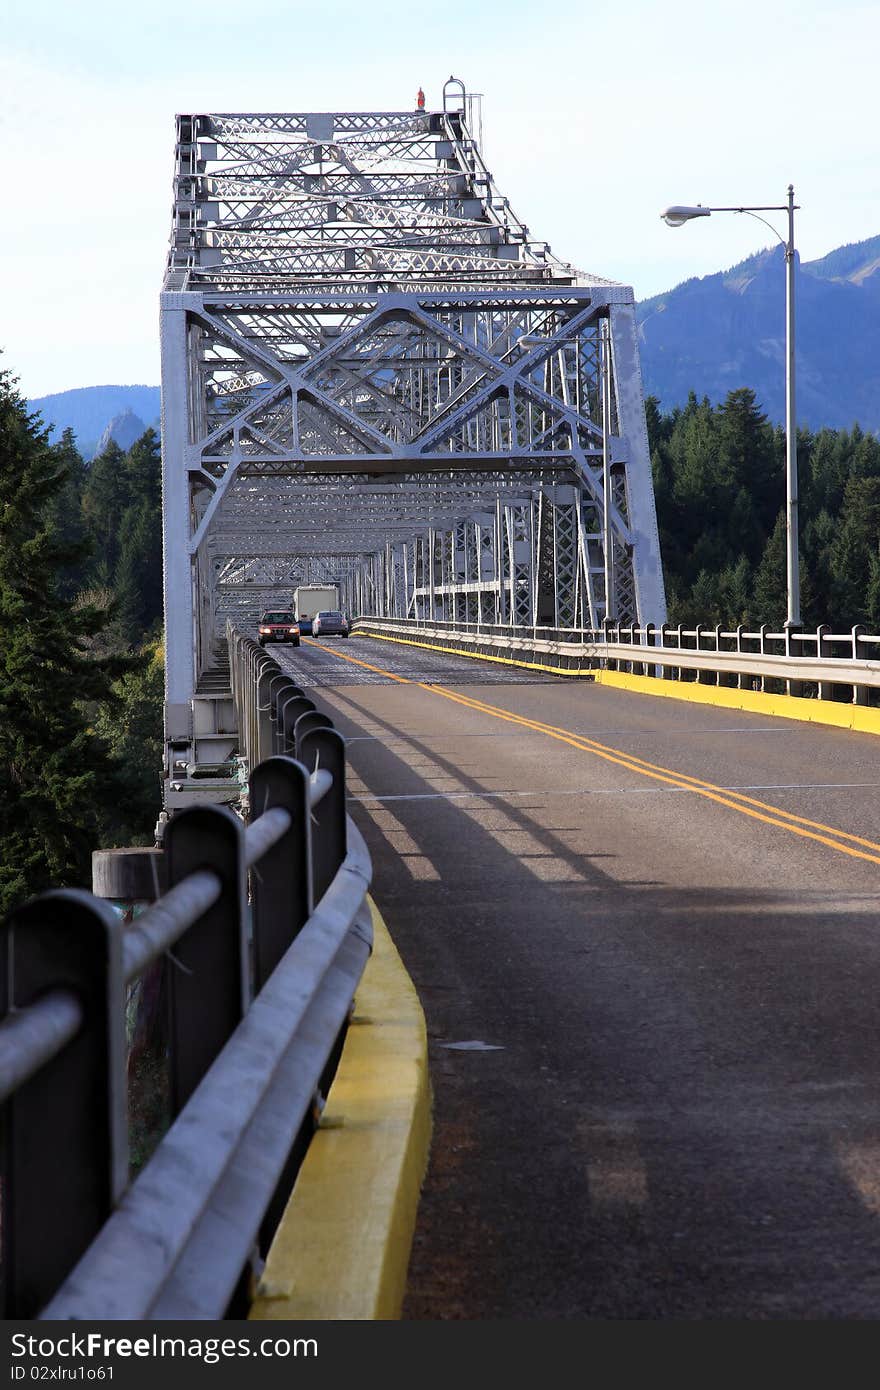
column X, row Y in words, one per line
column 342, row 1248
column 859, row 718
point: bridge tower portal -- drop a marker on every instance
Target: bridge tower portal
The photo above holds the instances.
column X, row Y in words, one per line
column 374, row 375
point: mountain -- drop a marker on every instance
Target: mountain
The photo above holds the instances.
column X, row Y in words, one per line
column 714, row 334
column 89, row 410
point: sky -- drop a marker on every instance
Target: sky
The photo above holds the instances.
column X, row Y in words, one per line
column 596, row 116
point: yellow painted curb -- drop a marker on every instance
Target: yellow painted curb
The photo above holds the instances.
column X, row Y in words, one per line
column 859, row 718
column 342, row 1248
column 476, row 656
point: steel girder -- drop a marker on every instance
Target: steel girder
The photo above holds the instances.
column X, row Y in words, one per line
column 372, row 374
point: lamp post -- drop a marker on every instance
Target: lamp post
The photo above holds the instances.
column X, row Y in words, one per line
column 676, row 216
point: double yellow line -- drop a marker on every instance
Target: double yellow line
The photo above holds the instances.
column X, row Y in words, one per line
column 828, row 835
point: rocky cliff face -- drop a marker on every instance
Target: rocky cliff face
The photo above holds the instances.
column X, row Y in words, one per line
column 123, row 430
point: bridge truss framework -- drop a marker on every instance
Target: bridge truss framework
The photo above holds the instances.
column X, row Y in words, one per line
column 372, row 374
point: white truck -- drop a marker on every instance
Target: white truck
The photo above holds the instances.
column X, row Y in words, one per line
column 309, row 599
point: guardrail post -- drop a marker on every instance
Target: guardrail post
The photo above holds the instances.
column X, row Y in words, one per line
column 65, row 1132
column 742, row 680
column 277, row 684
column 826, row 689
column 699, row 676
column 630, row 665
column 763, row 639
column 311, row 719
column 861, row 693
column 650, row 641
column 325, row 748
column 291, row 708
column 666, row 673
column 208, row 977
column 281, row 883
column 718, row 677
column 265, row 673
column 281, row 688
column 608, row 663
column 792, row 687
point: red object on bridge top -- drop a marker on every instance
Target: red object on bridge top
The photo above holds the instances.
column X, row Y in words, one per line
column 420, row 100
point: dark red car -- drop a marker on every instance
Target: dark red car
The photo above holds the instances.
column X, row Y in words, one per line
column 278, row 625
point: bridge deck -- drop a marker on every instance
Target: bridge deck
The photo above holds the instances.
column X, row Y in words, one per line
column 651, row 1001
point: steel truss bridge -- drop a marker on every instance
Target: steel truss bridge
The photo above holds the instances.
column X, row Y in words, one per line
column 373, row 374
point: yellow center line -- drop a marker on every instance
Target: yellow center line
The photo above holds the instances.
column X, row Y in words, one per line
column 680, row 780
column 783, row 820
column 642, row 765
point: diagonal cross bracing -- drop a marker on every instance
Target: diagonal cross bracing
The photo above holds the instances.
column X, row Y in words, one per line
column 374, row 375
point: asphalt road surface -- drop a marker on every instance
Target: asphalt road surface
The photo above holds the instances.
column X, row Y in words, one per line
column 645, row 934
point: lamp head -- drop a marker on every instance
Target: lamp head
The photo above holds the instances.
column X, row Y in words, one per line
column 676, row 216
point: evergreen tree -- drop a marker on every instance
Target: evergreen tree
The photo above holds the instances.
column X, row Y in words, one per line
column 122, row 504
column 737, row 594
column 771, row 595
column 53, row 769
column 750, row 467
column 658, row 425
column 719, row 486
column 138, row 577
column 105, row 497
column 143, row 470
column 64, row 512
column 132, row 729
column 856, row 546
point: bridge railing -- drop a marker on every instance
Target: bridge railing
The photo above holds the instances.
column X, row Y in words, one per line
column 823, row 664
column 259, row 978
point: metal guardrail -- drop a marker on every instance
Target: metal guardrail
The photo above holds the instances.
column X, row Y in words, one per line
column 260, row 986
column 822, row 663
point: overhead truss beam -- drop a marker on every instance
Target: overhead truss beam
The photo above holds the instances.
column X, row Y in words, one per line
column 373, row 375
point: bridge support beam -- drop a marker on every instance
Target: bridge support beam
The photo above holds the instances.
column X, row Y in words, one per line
column 176, row 561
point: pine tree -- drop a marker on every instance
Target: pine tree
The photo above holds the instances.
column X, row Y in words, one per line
column 856, row 545
column 138, row 577
column 105, row 498
column 771, row 598
column 64, row 511
column 737, row 594
column 749, row 466
column 54, row 771
column 132, row 729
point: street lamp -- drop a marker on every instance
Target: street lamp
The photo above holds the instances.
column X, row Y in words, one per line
column 676, row 216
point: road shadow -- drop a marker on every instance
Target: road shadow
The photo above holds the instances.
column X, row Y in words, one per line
column 682, row 1116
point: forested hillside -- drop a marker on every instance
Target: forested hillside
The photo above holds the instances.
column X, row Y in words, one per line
column 719, row 480
column 80, row 651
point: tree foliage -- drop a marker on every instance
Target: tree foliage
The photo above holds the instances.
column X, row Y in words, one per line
column 80, row 662
column 54, row 770
column 719, row 484
column 122, row 511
